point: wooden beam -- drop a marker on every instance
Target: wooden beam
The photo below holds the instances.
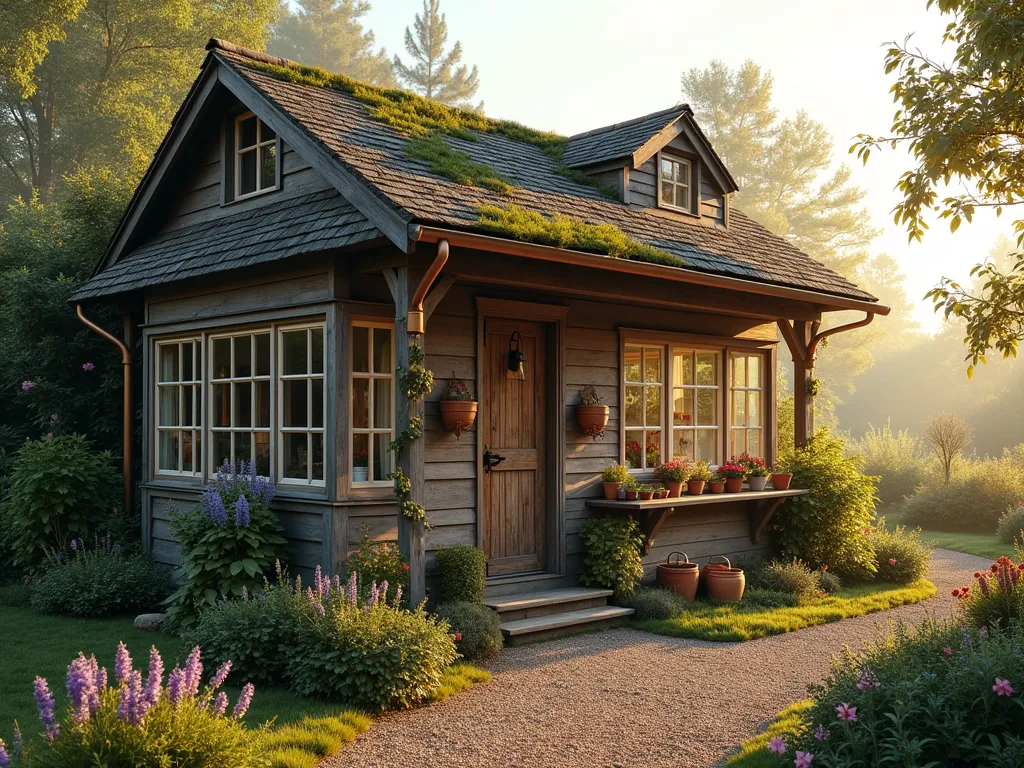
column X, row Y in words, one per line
column 803, row 402
column 761, row 513
column 435, row 296
column 798, row 348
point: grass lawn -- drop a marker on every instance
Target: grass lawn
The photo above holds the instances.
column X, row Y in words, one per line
column 754, row 751
column 732, row 622
column 980, row 544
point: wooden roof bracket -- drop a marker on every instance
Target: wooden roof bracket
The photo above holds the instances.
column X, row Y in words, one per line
column 806, row 353
column 416, row 321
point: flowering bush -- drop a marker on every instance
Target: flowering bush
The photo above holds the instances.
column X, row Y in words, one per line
column 140, row 722
column 732, row 470
column 900, row 556
column 755, row 465
column 675, row 471
column 100, row 580
column 376, row 562
column 229, row 541
column 1011, row 524
column 997, row 599
column 612, row 558
column 476, row 627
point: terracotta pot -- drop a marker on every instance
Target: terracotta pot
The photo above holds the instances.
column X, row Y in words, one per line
column 592, row 419
column 724, row 582
column 646, row 495
column 631, row 495
column 611, row 490
column 757, row 483
column 680, row 576
column 716, row 486
column 695, row 487
column 674, row 490
column 781, row 481
column 733, row 484
column 662, row 494
column 458, row 415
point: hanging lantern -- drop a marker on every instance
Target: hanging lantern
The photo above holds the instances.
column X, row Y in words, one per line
column 516, row 358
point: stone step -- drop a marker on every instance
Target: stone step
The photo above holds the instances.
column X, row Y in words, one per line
column 558, row 624
column 528, row 600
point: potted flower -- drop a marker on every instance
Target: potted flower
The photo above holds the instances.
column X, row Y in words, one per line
column 646, row 492
column 360, row 465
column 632, row 489
column 757, row 470
column 660, row 491
column 716, row 484
column 699, row 476
column 592, row 413
column 613, row 478
column 733, row 474
column 781, row 478
column 458, row 408
column 673, row 474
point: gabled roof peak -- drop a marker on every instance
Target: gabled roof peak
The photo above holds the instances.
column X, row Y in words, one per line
column 672, row 112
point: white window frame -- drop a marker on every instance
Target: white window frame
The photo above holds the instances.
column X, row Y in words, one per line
column 688, row 164
column 746, row 388
column 370, row 375
column 196, row 343
column 645, row 385
column 231, row 381
column 693, row 388
column 257, row 148
column 309, row 430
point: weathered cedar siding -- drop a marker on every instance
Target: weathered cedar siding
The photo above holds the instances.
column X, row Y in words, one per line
column 643, row 185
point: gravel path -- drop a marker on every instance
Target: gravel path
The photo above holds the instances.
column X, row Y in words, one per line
column 625, row 699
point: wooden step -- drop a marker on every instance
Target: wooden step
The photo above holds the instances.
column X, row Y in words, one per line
column 566, row 623
column 545, row 602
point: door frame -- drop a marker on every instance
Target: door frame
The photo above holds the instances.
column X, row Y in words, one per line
column 552, row 316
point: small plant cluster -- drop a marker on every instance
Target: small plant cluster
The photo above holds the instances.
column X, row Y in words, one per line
column 375, row 562
column 755, row 466
column 463, row 571
column 477, row 629
column 139, row 721
column 653, row 603
column 616, row 473
column 416, row 381
column 229, row 541
column 997, row 598
column 790, row 577
column 733, row 470
column 589, row 396
column 456, row 390
column 612, row 556
column 99, row 580
column 1011, row 524
column 675, row 471
column 900, row 555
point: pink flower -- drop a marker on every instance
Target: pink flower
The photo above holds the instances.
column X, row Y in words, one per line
column 803, row 760
column 847, row 713
column 88, row 366
column 777, row 745
column 1002, row 687
column 892, row 561
column 867, row 681
column 948, row 651
column 821, row 733
column 27, row 385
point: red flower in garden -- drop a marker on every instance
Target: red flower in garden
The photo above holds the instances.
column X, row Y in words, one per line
column 405, row 567
column 458, row 636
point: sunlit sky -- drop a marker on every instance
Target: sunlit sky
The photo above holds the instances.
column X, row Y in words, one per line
column 572, row 65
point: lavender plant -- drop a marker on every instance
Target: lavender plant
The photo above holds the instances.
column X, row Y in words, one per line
column 229, row 541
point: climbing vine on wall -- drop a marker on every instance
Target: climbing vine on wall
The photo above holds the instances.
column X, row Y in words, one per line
column 416, row 382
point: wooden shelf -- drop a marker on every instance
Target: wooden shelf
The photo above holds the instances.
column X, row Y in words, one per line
column 761, row 505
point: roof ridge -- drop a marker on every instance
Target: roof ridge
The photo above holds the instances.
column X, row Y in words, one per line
column 680, row 108
column 217, row 44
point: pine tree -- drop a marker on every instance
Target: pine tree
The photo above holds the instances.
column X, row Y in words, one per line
column 435, row 74
column 329, row 34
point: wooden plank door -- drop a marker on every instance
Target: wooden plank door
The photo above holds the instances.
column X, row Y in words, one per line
column 514, row 523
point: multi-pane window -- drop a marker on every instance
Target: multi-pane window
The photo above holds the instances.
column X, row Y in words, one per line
column 255, row 156
column 695, row 404
column 643, row 374
column 179, row 369
column 372, row 422
column 746, row 420
column 301, row 404
column 674, row 181
column 240, row 399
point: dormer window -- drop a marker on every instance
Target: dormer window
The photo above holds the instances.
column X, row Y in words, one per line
column 675, row 188
column 255, row 157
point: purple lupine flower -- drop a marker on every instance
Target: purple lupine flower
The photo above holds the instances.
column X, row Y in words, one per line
column 27, row 385
column 18, row 742
column 269, row 490
column 245, row 594
column 337, row 582
column 398, row 596
column 74, row 545
column 220, row 703
column 101, row 679
column 88, row 366
column 257, row 486
column 44, row 705
column 81, row 685
column 213, row 506
column 277, row 567
column 318, row 579
column 325, row 586
column 382, row 592
column 133, row 705
column 244, row 699
column 220, row 675
column 117, row 549
column 242, row 512
column 54, row 418
column 352, row 593
column 5, row 759
column 176, row 685
column 122, row 663
column 154, row 679
column 193, row 672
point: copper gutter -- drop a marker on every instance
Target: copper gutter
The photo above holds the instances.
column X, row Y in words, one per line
column 813, row 345
column 415, row 322
column 676, row 274
column 126, row 361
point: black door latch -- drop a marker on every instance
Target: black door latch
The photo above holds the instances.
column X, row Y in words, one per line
column 491, row 460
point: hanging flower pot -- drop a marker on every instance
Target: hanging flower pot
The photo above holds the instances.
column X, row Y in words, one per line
column 723, row 581
column 680, row 576
column 781, row 481
column 458, row 408
column 591, row 413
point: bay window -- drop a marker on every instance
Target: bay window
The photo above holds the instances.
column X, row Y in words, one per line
column 371, row 366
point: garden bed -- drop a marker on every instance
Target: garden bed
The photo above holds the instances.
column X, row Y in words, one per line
column 728, row 622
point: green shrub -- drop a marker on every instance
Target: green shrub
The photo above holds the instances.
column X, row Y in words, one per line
column 793, row 578
column 829, row 582
column 100, row 581
column 900, row 556
column 229, row 542
column 612, row 556
column 477, row 629
column 1011, row 524
column 17, row 594
column 377, row 562
column 826, row 527
column 653, row 603
column 463, row 572
column 768, row 599
column 60, row 490
column 899, row 460
column 996, row 598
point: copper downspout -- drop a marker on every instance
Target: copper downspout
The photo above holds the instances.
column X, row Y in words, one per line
column 126, row 361
column 415, row 321
column 838, row 329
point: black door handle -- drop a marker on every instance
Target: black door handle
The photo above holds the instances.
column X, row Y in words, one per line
column 491, row 460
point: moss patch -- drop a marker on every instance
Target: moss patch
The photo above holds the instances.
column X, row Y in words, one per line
column 754, row 751
column 455, row 165
column 732, row 622
column 567, row 232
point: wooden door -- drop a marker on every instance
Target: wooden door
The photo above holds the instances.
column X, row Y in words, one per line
column 515, row 497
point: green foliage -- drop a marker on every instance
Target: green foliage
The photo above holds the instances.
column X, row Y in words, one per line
column 898, row 459
column 1011, row 524
column 900, row 555
column 566, row 232
column 612, row 556
column 463, row 572
column 477, row 629
column 753, row 753
column 616, row 473
column 305, row 743
column 829, row 582
column 653, row 603
column 17, row 594
column 792, row 577
column 61, row 489
column 100, row 581
column 996, row 597
column 444, row 160
column 826, row 527
column 434, row 73
column 765, row 599
column 377, row 562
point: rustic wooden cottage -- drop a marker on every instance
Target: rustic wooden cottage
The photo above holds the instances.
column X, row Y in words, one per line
column 297, row 235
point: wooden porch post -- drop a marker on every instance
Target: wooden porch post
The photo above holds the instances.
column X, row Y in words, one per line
column 798, row 338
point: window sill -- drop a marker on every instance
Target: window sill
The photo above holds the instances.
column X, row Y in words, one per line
column 250, row 196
